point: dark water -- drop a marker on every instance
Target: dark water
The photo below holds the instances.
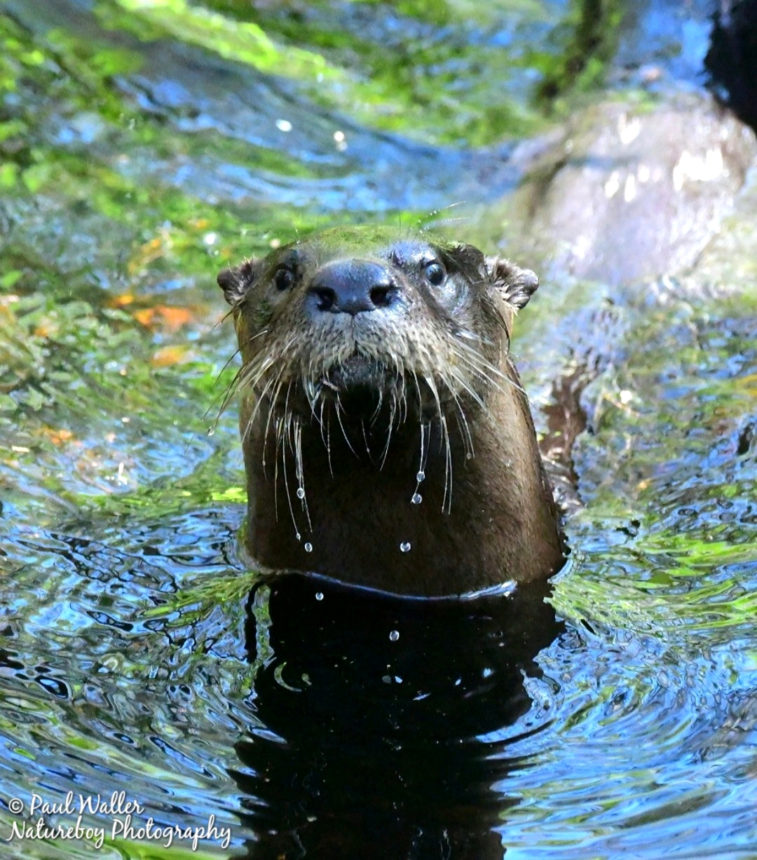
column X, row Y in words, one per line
column 143, row 147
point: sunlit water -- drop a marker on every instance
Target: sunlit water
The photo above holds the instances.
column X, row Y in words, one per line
column 294, row 717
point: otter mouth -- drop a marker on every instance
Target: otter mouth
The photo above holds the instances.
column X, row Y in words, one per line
column 359, row 384
column 358, row 373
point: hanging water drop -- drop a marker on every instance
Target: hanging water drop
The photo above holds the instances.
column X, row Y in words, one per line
column 300, row 492
column 308, row 547
column 417, row 499
column 405, row 546
column 394, row 635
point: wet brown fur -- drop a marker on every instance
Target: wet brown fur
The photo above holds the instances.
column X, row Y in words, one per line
column 393, row 449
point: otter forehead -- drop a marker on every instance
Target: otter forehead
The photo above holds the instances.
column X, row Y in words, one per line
column 382, row 248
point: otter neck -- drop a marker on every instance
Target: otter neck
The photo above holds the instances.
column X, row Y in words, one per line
column 434, row 512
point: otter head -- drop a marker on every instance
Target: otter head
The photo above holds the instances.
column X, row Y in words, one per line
column 365, row 322
column 366, row 358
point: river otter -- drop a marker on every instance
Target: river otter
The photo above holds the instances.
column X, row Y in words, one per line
column 387, row 439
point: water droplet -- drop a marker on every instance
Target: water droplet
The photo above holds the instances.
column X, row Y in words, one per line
column 421, row 476
column 417, row 499
column 211, row 431
column 394, row 635
column 300, row 492
column 319, row 595
column 298, row 536
column 469, row 456
column 405, row 546
column 308, row 547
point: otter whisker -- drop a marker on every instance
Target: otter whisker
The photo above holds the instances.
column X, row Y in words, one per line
column 275, row 471
column 484, row 371
column 365, row 438
column 462, row 385
column 483, row 368
column 273, row 399
column 401, row 399
column 455, row 396
column 339, row 410
column 225, row 398
column 319, row 420
column 284, row 429
column 279, row 423
column 417, row 387
column 312, row 393
column 328, row 439
column 420, row 475
column 259, row 400
column 250, row 375
column 389, row 431
column 447, row 500
column 261, row 333
column 377, row 411
column 260, row 397
column 399, row 402
column 300, row 470
column 231, row 388
column 431, row 383
column 256, row 370
column 287, row 410
column 464, row 428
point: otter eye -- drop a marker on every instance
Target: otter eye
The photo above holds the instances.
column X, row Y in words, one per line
column 283, row 278
column 435, row 273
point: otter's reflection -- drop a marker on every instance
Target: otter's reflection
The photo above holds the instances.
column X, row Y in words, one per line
column 375, row 712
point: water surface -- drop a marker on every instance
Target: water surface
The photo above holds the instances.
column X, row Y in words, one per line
column 145, row 146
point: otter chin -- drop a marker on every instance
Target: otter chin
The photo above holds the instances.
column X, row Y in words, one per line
column 387, row 439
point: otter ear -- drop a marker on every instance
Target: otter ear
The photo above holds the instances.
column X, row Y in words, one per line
column 517, row 285
column 236, row 281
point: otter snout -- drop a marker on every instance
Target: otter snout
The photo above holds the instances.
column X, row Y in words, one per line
column 351, row 287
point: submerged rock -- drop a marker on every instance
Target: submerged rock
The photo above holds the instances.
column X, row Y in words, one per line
column 631, row 190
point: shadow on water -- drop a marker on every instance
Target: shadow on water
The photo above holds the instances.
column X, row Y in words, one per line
column 386, row 718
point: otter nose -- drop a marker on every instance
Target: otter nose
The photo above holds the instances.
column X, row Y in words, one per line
column 352, row 287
